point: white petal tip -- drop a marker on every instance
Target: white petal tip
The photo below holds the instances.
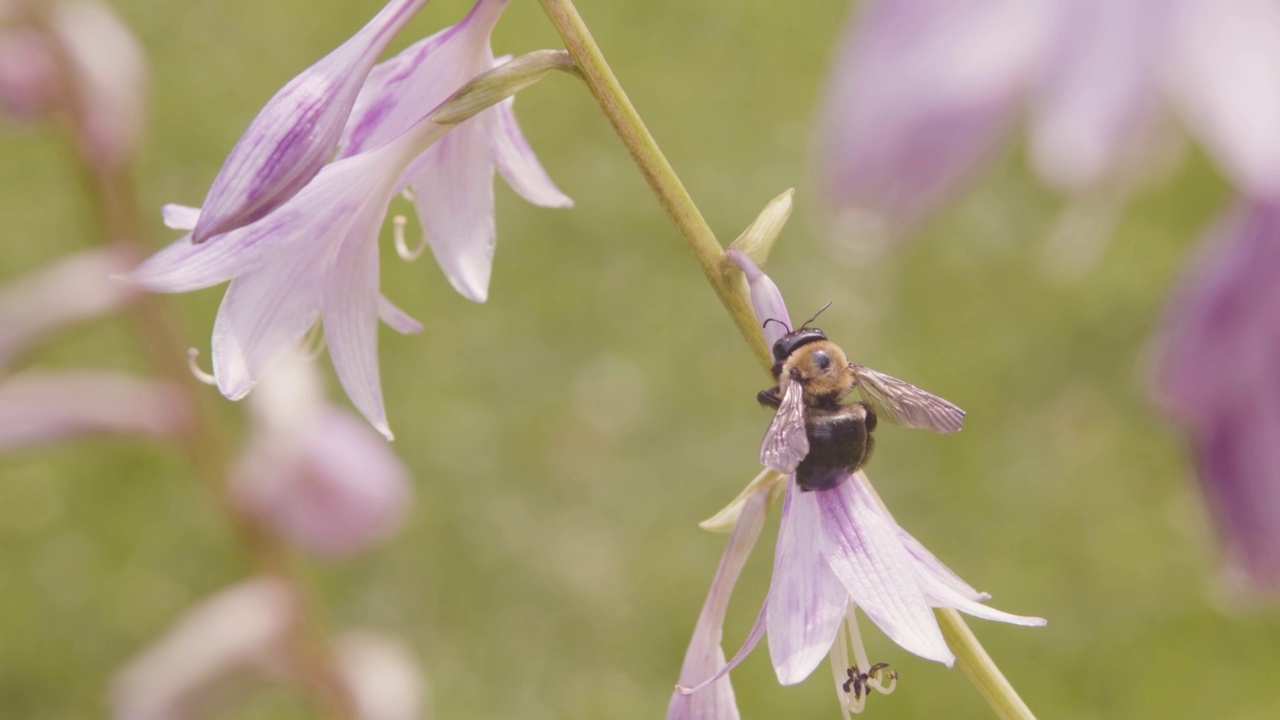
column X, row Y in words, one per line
column 385, row 430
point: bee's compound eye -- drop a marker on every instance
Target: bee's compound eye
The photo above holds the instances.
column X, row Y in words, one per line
column 821, row 359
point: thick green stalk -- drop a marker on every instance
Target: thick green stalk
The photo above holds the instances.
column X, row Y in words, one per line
column 697, row 235
column 653, row 165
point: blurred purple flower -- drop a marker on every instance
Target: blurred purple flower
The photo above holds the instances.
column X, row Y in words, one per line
column 315, row 473
column 452, row 182
column 71, row 289
column 1217, row 378
column 28, row 74
column 296, row 132
column 922, row 93
column 838, row 550
column 38, row 408
column 314, row 257
column 381, row 676
column 241, row 629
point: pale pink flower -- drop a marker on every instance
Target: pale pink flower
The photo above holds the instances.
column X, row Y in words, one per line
column 381, row 676
column 313, row 472
column 452, row 182
column 241, row 630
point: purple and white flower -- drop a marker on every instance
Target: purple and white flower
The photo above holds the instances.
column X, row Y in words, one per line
column 1217, row 379
column 923, row 93
column 295, row 133
column 838, row 550
column 452, row 182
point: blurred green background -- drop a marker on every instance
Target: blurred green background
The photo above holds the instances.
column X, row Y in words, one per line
column 567, row 436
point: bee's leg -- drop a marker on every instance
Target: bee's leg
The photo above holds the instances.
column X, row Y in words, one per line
column 871, row 416
column 769, row 398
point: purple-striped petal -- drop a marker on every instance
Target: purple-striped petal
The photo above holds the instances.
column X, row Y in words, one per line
column 72, row 289
column 38, row 408
column 705, row 656
column 453, row 193
column 406, row 88
column 179, row 217
column 351, row 327
column 866, row 554
column 806, row 601
column 1100, row 97
column 930, row 565
column 296, row 132
column 1224, row 76
column 517, row 163
column 921, row 93
column 766, row 298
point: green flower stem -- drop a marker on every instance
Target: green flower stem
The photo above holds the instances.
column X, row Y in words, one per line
column 709, row 255
column 980, row 668
column 653, row 165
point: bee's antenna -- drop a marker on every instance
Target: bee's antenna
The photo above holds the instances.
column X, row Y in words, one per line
column 766, row 324
column 815, row 315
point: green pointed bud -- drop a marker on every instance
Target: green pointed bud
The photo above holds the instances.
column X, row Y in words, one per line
column 757, row 240
column 492, row 87
column 767, row 481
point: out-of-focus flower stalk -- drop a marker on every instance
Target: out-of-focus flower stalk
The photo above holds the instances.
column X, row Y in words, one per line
column 720, row 273
column 110, row 189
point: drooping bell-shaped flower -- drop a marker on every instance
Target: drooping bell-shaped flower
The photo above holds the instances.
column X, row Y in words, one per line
column 452, row 182
column 313, row 472
column 1217, row 379
column 315, row 257
column 838, row 550
column 296, row 132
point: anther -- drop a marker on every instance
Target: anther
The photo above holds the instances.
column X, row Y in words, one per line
column 402, row 246
column 194, row 367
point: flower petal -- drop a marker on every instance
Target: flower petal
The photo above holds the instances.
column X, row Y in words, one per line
column 237, row 629
column 37, row 408
column 868, row 557
column 395, row 318
column 930, row 565
column 179, row 217
column 296, row 132
column 1224, row 75
column 942, row 594
column 1101, row 95
column 517, row 163
column 766, row 298
column 806, row 601
column 351, row 327
column 381, row 676
column 705, row 655
column 72, row 289
column 406, row 88
column 920, row 94
column 263, row 316
column 453, row 192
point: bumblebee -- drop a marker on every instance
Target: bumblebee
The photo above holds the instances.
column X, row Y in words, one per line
column 818, row 437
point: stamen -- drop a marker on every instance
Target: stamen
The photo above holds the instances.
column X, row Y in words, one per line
column 407, row 194
column 199, row 374
column 839, row 666
column 874, row 675
column 855, row 637
column 402, row 246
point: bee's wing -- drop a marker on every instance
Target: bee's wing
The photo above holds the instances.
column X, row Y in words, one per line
column 785, row 443
column 905, row 404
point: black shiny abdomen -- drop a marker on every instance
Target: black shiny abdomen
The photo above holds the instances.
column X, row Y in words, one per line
column 840, row 442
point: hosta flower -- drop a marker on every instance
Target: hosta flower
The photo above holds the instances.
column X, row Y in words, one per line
column 313, row 472
column 922, row 93
column 295, row 133
column 316, row 256
column 452, row 182
column 1217, row 378
column 839, row 550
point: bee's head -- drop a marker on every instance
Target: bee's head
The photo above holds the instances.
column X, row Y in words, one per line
column 822, row 368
